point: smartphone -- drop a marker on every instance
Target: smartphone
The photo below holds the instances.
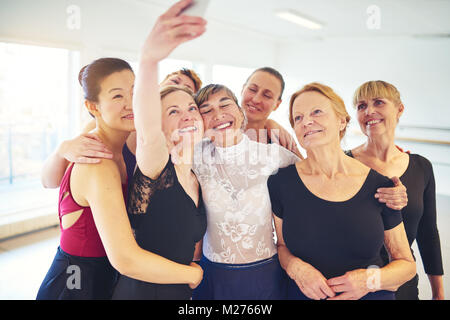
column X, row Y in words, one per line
column 197, row 8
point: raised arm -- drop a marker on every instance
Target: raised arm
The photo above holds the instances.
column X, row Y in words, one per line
column 171, row 29
column 103, row 193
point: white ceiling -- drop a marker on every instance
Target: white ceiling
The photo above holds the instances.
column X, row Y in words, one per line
column 342, row 18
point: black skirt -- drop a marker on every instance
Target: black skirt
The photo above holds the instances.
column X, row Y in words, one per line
column 78, row 278
column 132, row 289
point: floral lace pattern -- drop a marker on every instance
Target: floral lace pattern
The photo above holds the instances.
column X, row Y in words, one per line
column 236, row 197
column 143, row 188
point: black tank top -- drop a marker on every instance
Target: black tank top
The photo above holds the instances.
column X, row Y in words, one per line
column 166, row 222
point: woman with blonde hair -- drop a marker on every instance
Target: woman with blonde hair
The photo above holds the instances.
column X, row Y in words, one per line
column 96, row 236
column 329, row 226
column 379, row 108
column 165, row 203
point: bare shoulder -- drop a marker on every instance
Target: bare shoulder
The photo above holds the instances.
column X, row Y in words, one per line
column 91, row 170
column 356, row 167
column 93, row 175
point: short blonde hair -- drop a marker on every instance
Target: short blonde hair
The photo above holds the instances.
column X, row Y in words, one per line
column 376, row 89
column 336, row 101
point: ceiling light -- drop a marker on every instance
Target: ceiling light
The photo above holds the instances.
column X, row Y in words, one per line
column 300, row 19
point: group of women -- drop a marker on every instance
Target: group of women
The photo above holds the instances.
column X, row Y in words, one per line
column 167, row 197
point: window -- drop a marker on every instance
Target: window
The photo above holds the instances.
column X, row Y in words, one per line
column 38, row 96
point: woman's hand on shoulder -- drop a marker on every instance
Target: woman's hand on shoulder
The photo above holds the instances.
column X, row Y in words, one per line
column 85, row 148
column 281, row 136
column 395, row 197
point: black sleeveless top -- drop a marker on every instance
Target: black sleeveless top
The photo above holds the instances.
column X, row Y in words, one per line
column 166, row 222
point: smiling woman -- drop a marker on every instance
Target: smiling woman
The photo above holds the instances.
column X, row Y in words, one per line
column 239, row 254
column 85, row 231
column 223, row 118
column 339, row 194
column 165, row 206
column 379, row 109
column 327, row 96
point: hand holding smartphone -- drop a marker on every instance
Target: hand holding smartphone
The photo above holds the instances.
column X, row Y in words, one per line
column 197, row 8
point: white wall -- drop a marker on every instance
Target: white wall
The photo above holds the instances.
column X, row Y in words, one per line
column 419, row 68
column 120, row 26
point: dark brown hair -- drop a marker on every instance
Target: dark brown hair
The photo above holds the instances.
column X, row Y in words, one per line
column 91, row 76
column 273, row 72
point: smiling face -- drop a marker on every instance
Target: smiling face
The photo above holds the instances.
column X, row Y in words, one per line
column 222, row 117
column 261, row 96
column 114, row 104
column 378, row 116
column 314, row 120
column 181, row 120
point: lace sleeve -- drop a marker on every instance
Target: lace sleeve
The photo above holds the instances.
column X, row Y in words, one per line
column 142, row 188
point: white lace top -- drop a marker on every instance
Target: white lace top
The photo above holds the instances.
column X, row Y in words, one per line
column 236, row 197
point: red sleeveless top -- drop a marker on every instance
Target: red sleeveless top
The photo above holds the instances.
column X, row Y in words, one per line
column 82, row 238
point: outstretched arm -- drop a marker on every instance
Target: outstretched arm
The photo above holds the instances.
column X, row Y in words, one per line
column 171, row 29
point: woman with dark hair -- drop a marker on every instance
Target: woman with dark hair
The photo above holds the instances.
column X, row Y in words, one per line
column 261, row 95
column 96, row 236
column 88, row 148
column 379, row 108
